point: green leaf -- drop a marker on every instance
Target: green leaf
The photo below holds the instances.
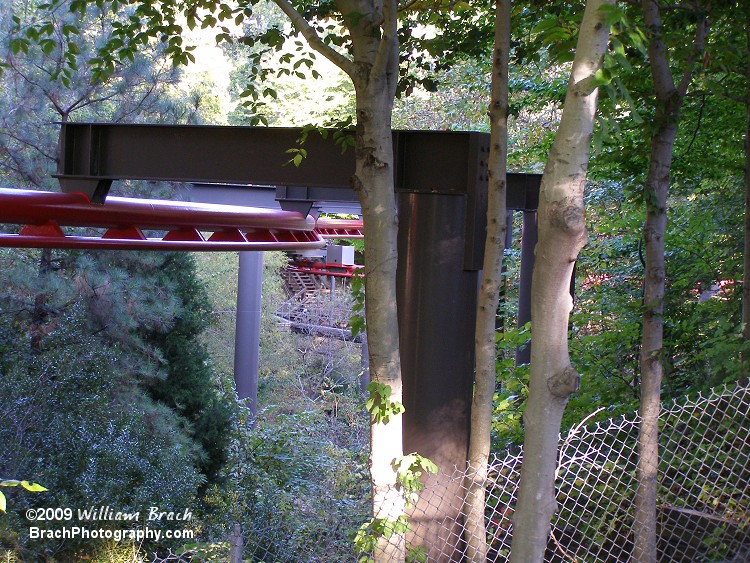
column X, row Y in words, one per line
column 546, row 24
column 19, row 45
column 628, row 98
column 602, row 77
column 617, row 46
column 613, row 14
column 378, row 404
column 3, row 502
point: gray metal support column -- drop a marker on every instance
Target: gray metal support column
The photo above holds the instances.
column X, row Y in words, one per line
column 529, row 237
column 247, row 335
column 437, row 300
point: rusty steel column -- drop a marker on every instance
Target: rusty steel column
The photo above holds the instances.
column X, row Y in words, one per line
column 247, row 328
column 437, row 300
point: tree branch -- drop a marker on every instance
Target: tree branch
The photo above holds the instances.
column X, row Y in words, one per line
column 701, row 31
column 657, row 51
column 26, row 143
column 387, row 49
column 696, row 130
column 662, row 76
column 314, row 40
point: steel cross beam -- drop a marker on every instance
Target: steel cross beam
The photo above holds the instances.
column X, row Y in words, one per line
column 93, row 155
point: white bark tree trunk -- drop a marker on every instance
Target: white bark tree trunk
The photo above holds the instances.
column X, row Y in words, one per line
column 475, row 534
column 374, row 186
column 373, row 69
column 562, row 233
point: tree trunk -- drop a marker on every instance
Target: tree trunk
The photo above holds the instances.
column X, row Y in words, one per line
column 373, row 69
column 562, row 234
column 668, row 103
column 657, row 188
column 373, row 182
column 746, row 252
column 475, row 533
column 374, row 185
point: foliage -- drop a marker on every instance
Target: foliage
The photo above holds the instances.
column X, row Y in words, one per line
column 409, row 470
column 702, row 474
column 605, row 336
column 296, row 477
column 297, row 493
column 357, row 320
column 703, row 241
column 702, row 324
column 188, row 387
column 702, row 334
column 218, row 272
column 379, row 406
column 112, row 445
column 95, row 330
column 33, row 487
column 371, row 531
column 703, row 301
column 513, row 388
column 34, row 94
column 82, row 380
column 279, row 98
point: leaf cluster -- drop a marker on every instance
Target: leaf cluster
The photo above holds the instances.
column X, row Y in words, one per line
column 371, row 532
column 409, row 470
column 32, row 487
column 357, row 320
column 513, row 386
column 379, row 405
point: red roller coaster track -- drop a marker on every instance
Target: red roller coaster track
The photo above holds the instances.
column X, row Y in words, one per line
column 340, row 228
column 325, row 269
column 124, row 220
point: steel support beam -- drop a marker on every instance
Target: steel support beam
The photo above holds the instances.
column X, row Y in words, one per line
column 529, row 237
column 247, row 328
column 437, row 297
column 95, row 154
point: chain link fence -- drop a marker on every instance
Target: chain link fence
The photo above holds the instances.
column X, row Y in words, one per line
column 703, row 494
column 703, row 490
